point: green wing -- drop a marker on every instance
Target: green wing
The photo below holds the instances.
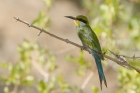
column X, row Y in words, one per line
column 89, row 38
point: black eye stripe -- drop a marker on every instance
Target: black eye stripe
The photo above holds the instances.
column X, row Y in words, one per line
column 82, row 20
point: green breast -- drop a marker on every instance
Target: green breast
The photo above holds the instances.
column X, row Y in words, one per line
column 88, row 38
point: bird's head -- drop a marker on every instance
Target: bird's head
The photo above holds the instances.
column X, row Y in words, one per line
column 79, row 20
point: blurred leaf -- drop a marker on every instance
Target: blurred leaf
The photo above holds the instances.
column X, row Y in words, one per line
column 42, row 20
column 95, row 89
column 48, row 2
column 129, row 81
column 64, row 86
column 3, row 65
column 42, row 88
column 28, row 80
column 6, row 90
column 83, row 64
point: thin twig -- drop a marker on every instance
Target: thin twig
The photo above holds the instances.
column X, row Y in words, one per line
column 119, row 62
column 41, row 71
column 133, row 57
column 123, row 56
column 86, row 80
column 15, row 89
column 123, row 62
column 39, row 68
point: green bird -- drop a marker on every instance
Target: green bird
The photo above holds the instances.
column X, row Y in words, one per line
column 90, row 42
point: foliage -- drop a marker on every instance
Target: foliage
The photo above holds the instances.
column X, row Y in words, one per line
column 117, row 23
column 43, row 20
column 20, row 72
column 83, row 65
column 117, row 26
column 113, row 22
column 129, row 81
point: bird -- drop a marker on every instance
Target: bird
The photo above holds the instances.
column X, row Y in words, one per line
column 90, row 42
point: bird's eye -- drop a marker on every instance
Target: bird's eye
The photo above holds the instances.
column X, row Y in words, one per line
column 84, row 21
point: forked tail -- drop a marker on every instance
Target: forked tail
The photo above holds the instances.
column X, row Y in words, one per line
column 99, row 67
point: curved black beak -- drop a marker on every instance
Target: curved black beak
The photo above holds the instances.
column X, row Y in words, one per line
column 71, row 17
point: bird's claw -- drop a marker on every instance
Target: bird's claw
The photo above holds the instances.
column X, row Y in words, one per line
column 83, row 48
column 104, row 53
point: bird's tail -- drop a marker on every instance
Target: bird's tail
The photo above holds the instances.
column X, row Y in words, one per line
column 100, row 69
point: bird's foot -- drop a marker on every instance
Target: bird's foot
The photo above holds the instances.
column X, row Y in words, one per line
column 104, row 52
column 83, row 48
column 102, row 55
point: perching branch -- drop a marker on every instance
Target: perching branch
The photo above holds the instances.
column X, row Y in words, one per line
column 120, row 58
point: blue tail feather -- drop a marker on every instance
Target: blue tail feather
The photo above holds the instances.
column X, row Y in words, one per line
column 99, row 67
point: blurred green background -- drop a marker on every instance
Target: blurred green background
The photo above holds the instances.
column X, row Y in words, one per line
column 42, row 64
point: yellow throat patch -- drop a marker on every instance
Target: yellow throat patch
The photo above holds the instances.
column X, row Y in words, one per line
column 77, row 23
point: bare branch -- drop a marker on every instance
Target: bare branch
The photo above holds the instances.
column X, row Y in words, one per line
column 39, row 33
column 120, row 58
column 42, row 30
column 133, row 57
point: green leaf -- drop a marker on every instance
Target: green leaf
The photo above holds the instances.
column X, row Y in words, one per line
column 95, row 89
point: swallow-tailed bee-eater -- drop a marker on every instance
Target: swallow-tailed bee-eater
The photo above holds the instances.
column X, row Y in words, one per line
column 90, row 42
